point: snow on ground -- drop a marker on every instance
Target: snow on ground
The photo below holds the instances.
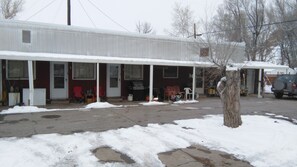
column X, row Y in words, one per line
column 153, row 103
column 185, row 101
column 281, row 117
column 26, row 109
column 101, row 105
column 31, row 109
column 261, row 140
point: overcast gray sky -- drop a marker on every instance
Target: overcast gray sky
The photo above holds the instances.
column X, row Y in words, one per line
column 126, row 13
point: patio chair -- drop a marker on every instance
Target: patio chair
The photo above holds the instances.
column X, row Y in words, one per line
column 172, row 92
column 78, row 94
column 188, row 92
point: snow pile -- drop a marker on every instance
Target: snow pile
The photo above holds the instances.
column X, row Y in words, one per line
column 32, row 109
column 25, row 109
column 153, row 103
column 185, row 102
column 260, row 140
column 101, row 105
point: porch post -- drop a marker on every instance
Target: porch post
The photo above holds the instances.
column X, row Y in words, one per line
column 97, row 82
column 31, row 84
column 151, row 82
column 259, row 83
column 194, row 83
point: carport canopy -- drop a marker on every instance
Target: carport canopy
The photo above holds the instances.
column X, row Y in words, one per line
column 259, row 65
column 32, row 56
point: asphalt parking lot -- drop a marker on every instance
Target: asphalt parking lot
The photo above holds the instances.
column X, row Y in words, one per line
column 79, row 119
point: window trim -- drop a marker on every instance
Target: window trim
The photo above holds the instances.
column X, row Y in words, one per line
column 81, row 79
column 128, row 79
column 177, row 72
column 34, row 71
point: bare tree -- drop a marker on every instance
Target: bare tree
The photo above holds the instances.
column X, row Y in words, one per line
column 247, row 21
column 221, row 53
column 144, row 27
column 183, row 22
column 286, row 12
column 10, row 8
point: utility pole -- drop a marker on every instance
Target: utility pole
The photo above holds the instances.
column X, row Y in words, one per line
column 68, row 12
column 195, row 31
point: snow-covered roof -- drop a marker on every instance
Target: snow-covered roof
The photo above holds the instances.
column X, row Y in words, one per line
column 280, row 71
column 259, row 65
column 12, row 55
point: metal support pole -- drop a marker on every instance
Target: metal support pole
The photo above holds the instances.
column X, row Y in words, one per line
column 194, row 83
column 97, row 86
column 151, row 82
column 259, row 83
column 31, row 83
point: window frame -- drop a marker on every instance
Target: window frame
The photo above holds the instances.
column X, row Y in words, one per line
column 131, row 79
column 26, row 33
column 21, row 78
column 73, row 72
column 167, row 77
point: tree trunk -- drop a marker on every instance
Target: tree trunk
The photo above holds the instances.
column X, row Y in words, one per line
column 231, row 100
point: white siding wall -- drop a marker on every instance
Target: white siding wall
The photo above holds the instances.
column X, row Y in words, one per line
column 46, row 38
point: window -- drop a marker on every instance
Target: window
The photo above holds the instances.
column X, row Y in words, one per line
column 26, row 36
column 133, row 72
column 18, row 70
column 204, row 52
column 170, row 72
column 83, row 71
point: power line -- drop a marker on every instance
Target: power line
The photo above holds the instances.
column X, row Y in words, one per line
column 108, row 16
column 41, row 10
column 238, row 28
column 86, row 13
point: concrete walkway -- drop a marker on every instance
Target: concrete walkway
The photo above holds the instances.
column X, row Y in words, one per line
column 79, row 119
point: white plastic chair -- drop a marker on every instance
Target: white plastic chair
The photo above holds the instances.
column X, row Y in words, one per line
column 188, row 91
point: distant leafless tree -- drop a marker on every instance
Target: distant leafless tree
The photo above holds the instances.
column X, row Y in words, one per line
column 284, row 11
column 10, row 8
column 247, row 21
column 144, row 27
column 183, row 21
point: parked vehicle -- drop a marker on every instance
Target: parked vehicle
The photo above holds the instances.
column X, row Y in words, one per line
column 285, row 85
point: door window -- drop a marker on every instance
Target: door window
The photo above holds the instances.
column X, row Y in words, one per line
column 59, row 76
column 114, row 76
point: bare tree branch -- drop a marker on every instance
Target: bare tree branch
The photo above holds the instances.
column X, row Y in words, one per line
column 10, row 8
column 144, row 27
column 182, row 25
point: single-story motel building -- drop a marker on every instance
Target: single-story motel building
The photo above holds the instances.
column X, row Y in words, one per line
column 46, row 62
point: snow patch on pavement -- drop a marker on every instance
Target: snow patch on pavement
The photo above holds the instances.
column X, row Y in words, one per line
column 101, row 105
column 153, row 103
column 260, row 140
column 34, row 109
column 26, row 109
column 185, row 101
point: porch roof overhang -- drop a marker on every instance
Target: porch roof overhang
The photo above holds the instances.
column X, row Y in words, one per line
column 13, row 55
column 259, row 65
